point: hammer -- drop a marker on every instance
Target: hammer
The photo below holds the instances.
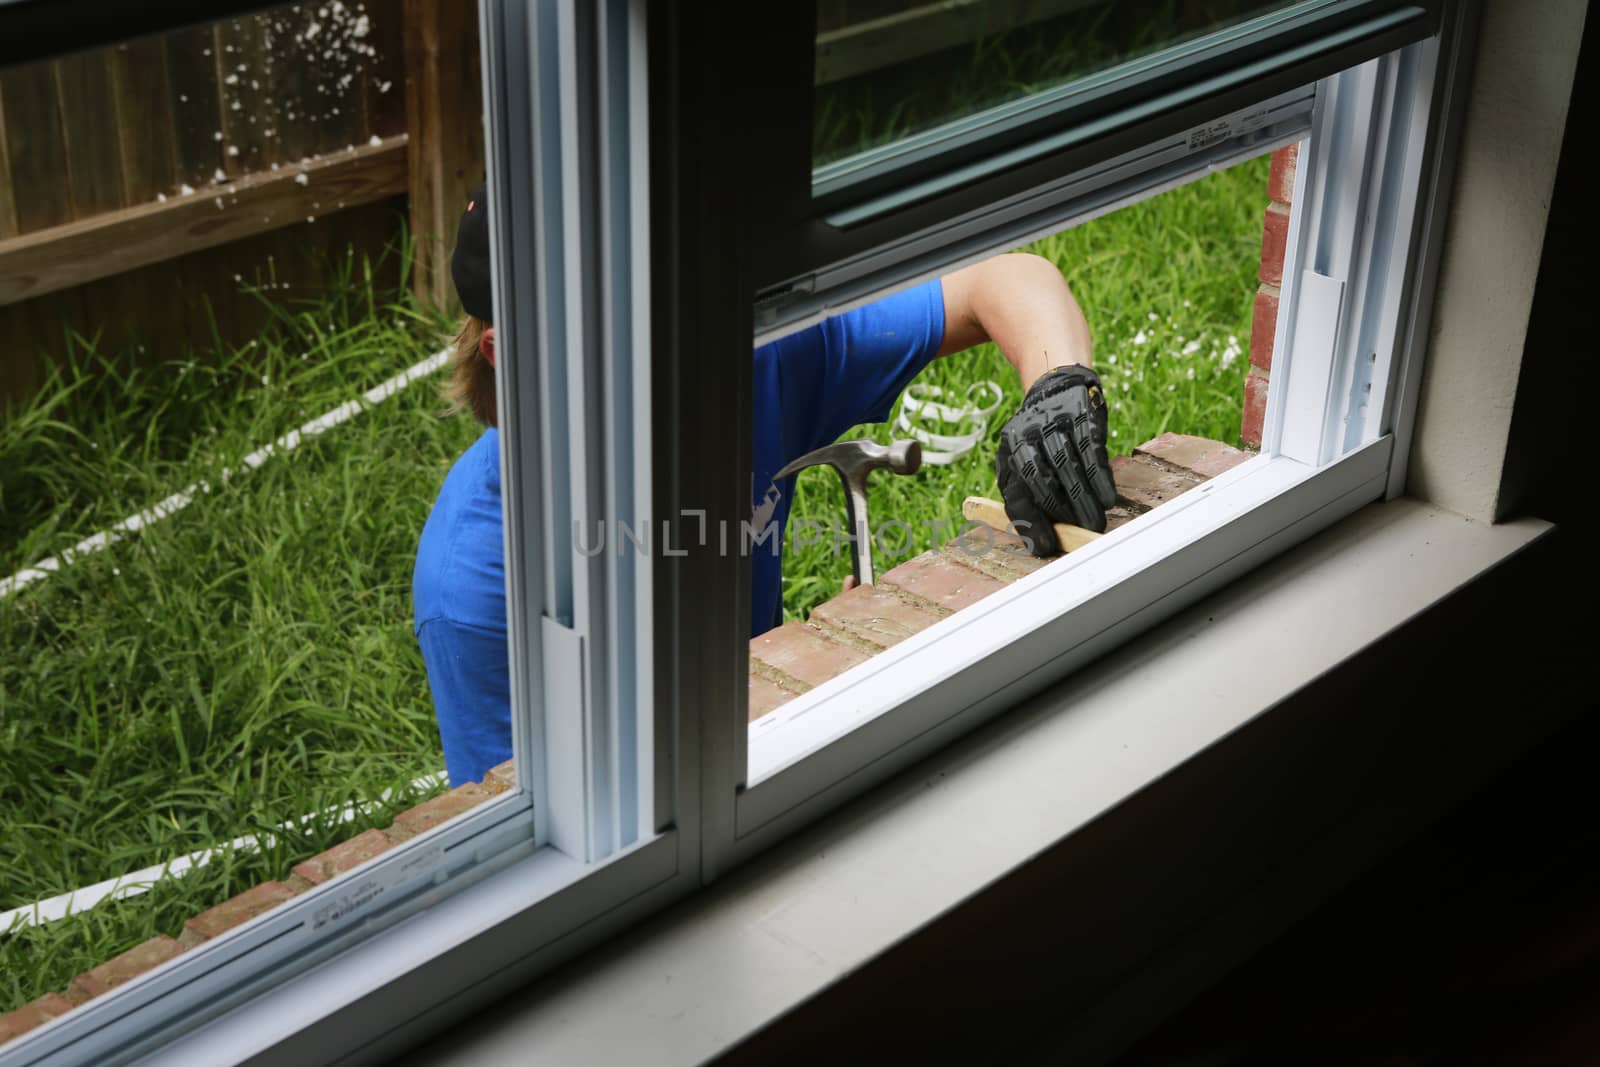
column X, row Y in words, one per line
column 854, row 460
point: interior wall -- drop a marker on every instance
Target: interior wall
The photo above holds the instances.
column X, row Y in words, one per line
column 1510, row 147
column 1560, row 374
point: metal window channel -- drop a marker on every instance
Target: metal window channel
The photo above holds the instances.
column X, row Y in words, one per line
column 841, row 737
column 1448, row 71
column 1354, row 263
column 1068, row 201
column 591, row 249
column 1254, row 48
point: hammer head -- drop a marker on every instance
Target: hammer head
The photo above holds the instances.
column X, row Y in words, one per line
column 853, row 461
column 856, row 458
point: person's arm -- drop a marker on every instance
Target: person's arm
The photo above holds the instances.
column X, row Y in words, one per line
column 1051, row 463
column 1021, row 303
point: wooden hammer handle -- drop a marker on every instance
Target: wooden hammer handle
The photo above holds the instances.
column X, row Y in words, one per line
column 993, row 513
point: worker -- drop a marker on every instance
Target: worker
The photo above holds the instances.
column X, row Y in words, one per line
column 810, row 387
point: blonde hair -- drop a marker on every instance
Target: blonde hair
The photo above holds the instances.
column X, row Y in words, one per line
column 471, row 384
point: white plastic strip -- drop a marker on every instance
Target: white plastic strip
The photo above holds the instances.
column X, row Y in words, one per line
column 178, row 501
column 923, row 403
column 131, row 885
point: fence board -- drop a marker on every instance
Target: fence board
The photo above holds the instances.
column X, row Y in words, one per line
column 36, row 338
column 119, row 307
column 196, row 105
column 34, row 143
column 8, row 198
column 444, row 111
column 146, row 142
column 240, row 55
column 33, row 332
column 384, row 81
column 67, row 255
column 130, row 257
column 288, row 84
column 88, row 133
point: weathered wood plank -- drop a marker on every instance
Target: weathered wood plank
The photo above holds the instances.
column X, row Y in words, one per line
column 67, row 255
column 197, row 118
column 384, row 80
column 882, row 42
column 339, row 120
column 444, row 110
column 89, row 133
column 245, row 103
column 34, row 143
column 146, row 142
column 8, row 198
column 288, row 84
column 33, row 336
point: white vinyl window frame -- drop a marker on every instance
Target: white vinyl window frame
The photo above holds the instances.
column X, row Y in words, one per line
column 590, row 835
column 1341, row 397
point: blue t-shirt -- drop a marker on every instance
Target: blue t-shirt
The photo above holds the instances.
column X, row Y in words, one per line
column 810, row 387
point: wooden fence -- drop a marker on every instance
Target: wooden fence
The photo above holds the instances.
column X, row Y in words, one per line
column 140, row 185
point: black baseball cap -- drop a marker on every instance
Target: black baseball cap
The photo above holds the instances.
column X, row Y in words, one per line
column 469, row 265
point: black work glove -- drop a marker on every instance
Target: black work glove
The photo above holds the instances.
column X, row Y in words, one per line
column 1052, row 465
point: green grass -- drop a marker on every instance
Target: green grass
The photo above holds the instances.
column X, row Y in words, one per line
column 250, row 660
column 1167, row 285
column 241, row 664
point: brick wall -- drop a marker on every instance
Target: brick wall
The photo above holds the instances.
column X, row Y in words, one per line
column 917, row 593
column 1263, row 323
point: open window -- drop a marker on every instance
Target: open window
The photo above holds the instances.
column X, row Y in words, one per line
column 1158, row 105
column 665, row 196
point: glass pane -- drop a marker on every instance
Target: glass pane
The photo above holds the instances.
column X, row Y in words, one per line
column 889, row 69
column 1170, row 289
column 217, row 456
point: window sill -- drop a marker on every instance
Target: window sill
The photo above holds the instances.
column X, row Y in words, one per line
column 705, row 976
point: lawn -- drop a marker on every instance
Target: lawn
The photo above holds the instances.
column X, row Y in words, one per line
column 1167, row 285
column 249, row 660
column 241, row 664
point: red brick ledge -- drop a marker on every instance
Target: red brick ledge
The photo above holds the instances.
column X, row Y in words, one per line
column 856, row 625
column 784, row 663
column 239, row 909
